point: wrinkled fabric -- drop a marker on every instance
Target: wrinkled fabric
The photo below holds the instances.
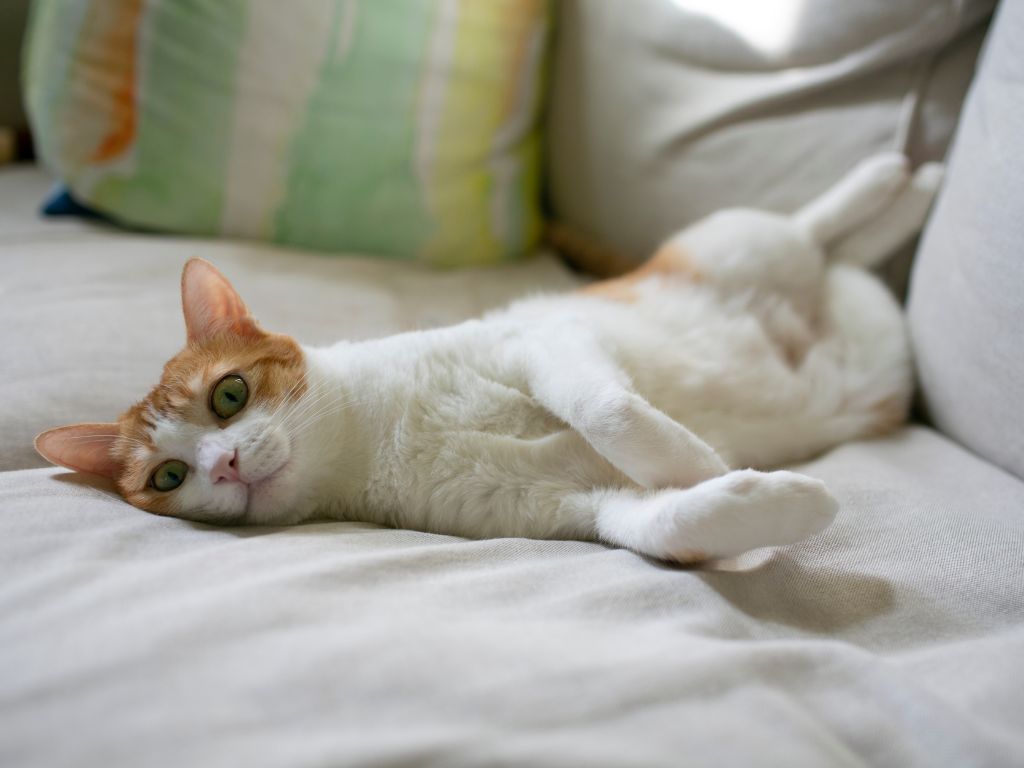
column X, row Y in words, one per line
column 664, row 111
column 895, row 637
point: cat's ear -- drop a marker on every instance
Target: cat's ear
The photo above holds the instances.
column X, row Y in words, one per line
column 81, row 447
column 212, row 306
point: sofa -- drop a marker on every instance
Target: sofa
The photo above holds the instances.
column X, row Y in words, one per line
column 895, row 637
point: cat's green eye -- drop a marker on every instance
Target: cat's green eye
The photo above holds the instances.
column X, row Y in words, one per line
column 229, row 396
column 169, row 475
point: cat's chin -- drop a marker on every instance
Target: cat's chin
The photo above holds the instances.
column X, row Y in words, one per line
column 271, row 501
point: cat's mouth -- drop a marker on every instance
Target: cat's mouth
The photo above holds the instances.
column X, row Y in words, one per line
column 261, row 492
column 267, row 479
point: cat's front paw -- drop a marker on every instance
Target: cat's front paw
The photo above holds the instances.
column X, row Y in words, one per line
column 652, row 449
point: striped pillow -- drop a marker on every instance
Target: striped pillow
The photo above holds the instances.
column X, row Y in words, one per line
column 401, row 128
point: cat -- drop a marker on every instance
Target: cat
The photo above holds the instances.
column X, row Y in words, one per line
column 650, row 411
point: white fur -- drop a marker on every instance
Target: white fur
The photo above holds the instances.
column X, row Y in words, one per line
column 260, row 440
column 900, row 221
column 563, row 416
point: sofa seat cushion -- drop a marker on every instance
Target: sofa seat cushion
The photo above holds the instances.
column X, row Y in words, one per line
column 892, row 638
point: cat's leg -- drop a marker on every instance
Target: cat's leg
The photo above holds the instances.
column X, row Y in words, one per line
column 862, row 194
column 572, row 377
column 869, row 245
column 742, row 252
column 721, row 517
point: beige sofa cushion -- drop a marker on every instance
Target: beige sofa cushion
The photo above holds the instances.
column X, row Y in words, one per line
column 894, row 638
column 967, row 299
column 663, row 111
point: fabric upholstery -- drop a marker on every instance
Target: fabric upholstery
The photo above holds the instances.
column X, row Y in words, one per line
column 663, row 111
column 89, row 314
column 894, row 638
column 403, row 129
column 967, row 299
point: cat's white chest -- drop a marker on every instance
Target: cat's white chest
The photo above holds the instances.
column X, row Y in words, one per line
column 459, row 443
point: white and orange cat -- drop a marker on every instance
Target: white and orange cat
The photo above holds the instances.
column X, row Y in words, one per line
column 628, row 412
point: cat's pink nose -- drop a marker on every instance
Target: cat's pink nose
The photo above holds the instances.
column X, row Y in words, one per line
column 225, row 468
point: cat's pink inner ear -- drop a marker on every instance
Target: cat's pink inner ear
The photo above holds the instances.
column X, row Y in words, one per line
column 211, row 305
column 81, row 447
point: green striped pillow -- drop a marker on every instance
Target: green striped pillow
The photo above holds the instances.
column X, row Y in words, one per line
column 402, row 128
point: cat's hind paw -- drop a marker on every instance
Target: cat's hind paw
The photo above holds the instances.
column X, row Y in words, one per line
column 745, row 510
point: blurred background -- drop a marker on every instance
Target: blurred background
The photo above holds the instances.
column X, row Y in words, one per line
column 13, row 15
column 458, row 134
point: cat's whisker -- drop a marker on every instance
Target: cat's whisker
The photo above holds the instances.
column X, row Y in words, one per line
column 302, row 403
column 310, row 405
column 313, row 418
column 286, row 401
column 328, row 411
column 300, row 410
column 280, row 413
column 291, row 391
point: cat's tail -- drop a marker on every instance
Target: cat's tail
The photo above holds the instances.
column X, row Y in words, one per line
column 872, row 211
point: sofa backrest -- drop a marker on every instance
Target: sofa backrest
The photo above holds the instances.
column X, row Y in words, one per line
column 967, row 294
column 663, row 111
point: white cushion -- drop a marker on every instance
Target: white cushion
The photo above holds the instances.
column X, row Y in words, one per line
column 663, row 111
column 967, row 299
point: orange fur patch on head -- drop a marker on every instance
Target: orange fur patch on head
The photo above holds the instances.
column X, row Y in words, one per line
column 272, row 366
column 670, row 261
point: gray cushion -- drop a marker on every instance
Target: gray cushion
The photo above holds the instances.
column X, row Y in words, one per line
column 967, row 294
column 894, row 638
column 663, row 111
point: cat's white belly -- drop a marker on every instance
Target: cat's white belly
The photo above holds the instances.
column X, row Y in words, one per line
column 467, row 449
column 463, row 445
column 761, row 385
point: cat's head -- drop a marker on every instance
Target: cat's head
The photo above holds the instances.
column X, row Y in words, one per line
column 214, row 441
